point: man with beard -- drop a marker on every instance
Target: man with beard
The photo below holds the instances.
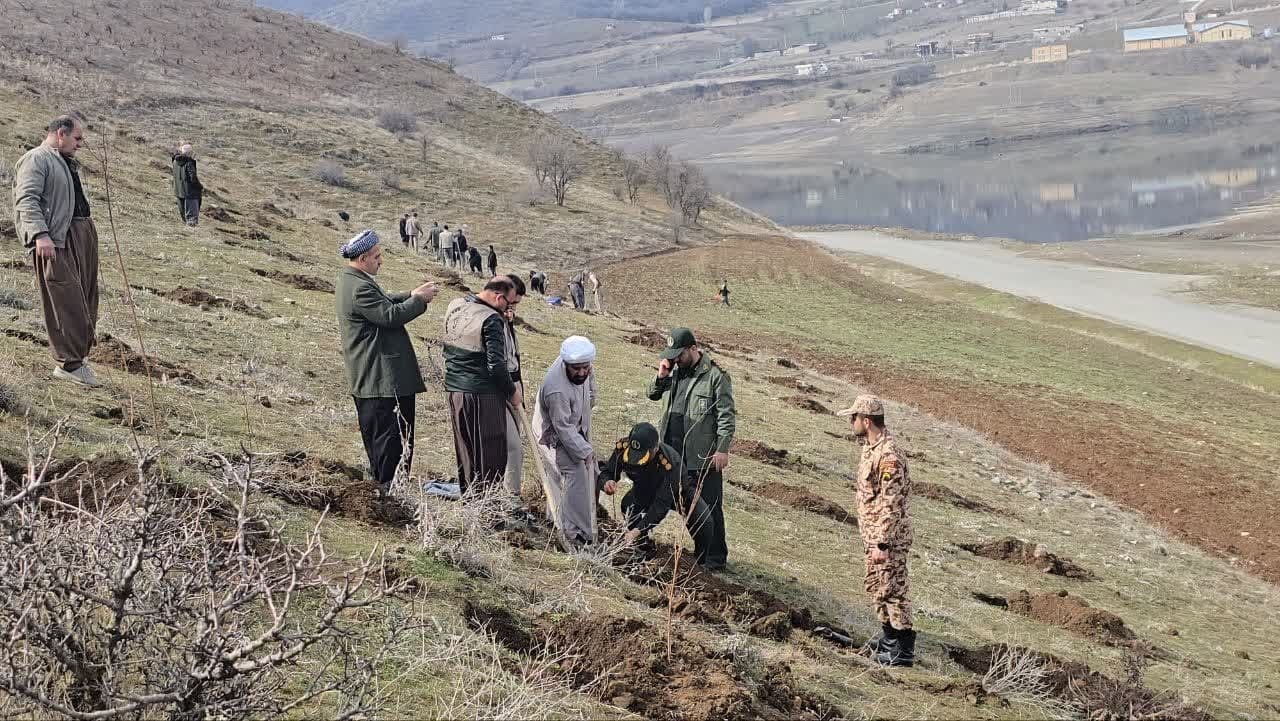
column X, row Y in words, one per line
column 562, row 430
column 698, row 423
column 884, row 522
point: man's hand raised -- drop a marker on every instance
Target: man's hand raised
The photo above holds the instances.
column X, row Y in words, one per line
column 427, row 291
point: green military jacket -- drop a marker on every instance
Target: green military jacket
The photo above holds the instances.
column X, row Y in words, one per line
column 704, row 407
column 376, row 349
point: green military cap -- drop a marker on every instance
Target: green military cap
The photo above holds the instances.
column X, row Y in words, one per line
column 679, row 339
column 641, row 444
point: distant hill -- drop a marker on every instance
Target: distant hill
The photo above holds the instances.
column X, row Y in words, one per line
column 419, row 22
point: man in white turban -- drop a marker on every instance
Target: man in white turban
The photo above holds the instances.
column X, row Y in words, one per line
column 562, row 431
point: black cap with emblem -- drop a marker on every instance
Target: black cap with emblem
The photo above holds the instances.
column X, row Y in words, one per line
column 679, row 339
column 641, row 443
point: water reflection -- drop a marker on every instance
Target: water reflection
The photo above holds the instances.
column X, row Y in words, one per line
column 1171, row 191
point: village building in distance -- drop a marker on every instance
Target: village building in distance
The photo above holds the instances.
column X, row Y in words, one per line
column 1176, row 36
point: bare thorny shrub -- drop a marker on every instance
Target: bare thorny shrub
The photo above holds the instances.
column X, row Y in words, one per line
column 137, row 597
column 1021, row 676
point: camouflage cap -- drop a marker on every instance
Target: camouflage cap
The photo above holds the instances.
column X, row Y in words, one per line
column 864, row 405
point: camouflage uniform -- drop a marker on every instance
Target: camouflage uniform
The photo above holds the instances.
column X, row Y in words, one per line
column 884, row 521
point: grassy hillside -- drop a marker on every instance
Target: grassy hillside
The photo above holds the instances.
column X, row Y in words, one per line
column 989, row 394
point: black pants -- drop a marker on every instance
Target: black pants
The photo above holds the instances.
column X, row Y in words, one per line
column 699, row 522
column 189, row 209
column 713, row 496
column 386, row 425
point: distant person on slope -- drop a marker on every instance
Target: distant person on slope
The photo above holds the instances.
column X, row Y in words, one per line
column 186, row 184
column 884, row 522
column 538, row 281
column 447, row 248
column 493, row 262
column 576, row 291
column 596, row 298
column 460, row 242
column 724, row 293
column 562, row 430
column 51, row 215
column 433, row 240
column 404, row 233
column 475, row 262
column 381, row 367
column 414, row 231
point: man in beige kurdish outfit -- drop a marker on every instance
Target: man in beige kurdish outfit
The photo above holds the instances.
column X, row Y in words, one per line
column 884, row 521
column 51, row 212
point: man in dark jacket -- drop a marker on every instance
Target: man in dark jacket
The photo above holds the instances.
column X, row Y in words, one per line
column 538, row 281
column 493, row 262
column 460, row 243
column 404, row 233
column 186, row 184
column 382, row 369
column 698, row 422
column 474, row 262
column 658, row 488
column 479, row 383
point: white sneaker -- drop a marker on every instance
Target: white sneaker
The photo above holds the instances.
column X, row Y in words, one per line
column 82, row 375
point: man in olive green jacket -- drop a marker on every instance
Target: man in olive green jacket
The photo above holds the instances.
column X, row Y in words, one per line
column 382, row 369
column 698, row 422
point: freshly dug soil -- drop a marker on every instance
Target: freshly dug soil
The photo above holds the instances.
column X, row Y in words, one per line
column 115, row 353
column 1099, row 696
column 794, row 383
column 1072, row 613
column 218, row 213
column 25, row 336
column 757, row 451
column 323, row 484
column 649, row 338
column 301, row 282
column 705, row 597
column 809, row 404
column 946, row 495
column 691, row 683
column 450, row 279
column 523, row 324
column 499, row 623
column 200, row 298
column 1013, row 550
column 805, row 500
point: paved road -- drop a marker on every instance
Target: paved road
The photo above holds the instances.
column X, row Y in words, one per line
column 1133, row 298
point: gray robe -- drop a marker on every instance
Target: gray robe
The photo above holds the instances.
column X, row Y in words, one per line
column 562, row 432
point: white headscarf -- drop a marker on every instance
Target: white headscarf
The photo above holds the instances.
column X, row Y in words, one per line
column 576, row 349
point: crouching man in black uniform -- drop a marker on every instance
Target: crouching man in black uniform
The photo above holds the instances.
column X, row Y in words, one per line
column 658, row 488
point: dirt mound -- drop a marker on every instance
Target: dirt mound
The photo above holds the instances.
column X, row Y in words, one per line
column 805, row 500
column 115, row 353
column 203, row 299
column 794, row 383
column 1014, row 550
column 450, row 279
column 1096, row 695
column 757, row 451
column 689, row 683
column 1072, row 613
column 301, row 282
column 15, row 265
column 946, row 495
column 649, row 338
column 25, row 336
column 809, row 404
column 499, row 623
column 705, row 597
column 218, row 213
column 92, row 484
column 323, row 484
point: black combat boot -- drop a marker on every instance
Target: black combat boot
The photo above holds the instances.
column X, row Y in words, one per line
column 898, row 649
column 886, row 631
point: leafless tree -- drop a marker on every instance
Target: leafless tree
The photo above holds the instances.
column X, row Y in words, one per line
column 556, row 162
column 633, row 176
column 134, row 597
column 691, row 191
column 657, row 166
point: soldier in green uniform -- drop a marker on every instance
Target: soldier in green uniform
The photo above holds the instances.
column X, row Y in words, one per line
column 658, row 489
column 698, row 423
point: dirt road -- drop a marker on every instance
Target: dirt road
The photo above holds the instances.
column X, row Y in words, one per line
column 1147, row 301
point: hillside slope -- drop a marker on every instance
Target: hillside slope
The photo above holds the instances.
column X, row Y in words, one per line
column 239, row 319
